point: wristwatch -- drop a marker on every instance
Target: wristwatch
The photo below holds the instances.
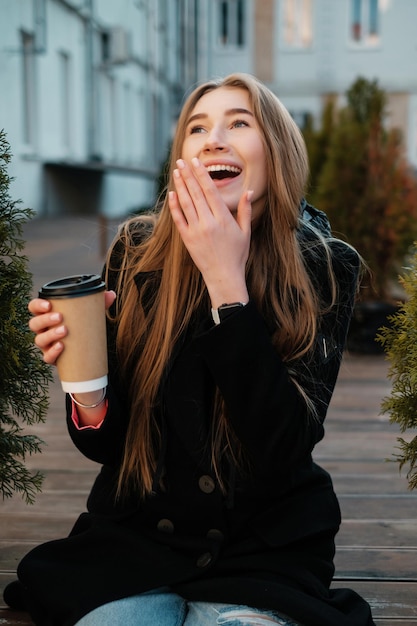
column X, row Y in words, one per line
column 226, row 310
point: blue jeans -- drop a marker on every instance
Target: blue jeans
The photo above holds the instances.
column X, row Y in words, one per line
column 163, row 608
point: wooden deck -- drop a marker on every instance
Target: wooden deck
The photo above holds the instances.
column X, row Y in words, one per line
column 377, row 544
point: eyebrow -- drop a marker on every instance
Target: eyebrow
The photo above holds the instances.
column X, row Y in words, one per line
column 238, row 110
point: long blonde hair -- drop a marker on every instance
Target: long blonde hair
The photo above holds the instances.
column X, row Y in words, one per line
column 149, row 326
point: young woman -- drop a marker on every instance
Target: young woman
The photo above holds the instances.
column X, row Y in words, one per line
column 228, row 314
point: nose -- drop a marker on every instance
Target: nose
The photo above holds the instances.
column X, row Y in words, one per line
column 215, row 140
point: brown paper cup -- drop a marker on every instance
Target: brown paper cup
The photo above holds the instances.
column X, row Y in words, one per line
column 82, row 366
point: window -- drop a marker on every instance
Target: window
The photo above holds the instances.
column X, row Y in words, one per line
column 298, row 23
column 128, row 110
column 65, row 89
column 231, row 20
column 111, row 117
column 105, row 46
column 364, row 23
column 162, row 13
column 29, row 90
column 114, row 118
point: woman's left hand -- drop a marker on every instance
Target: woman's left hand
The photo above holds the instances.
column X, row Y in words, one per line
column 217, row 241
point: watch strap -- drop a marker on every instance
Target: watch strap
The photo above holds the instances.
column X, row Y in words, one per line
column 226, row 310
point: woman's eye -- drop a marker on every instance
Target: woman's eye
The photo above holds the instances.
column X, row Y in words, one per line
column 196, row 129
column 239, row 124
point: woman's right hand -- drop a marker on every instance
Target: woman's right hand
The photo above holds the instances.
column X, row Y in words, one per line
column 49, row 329
column 49, row 326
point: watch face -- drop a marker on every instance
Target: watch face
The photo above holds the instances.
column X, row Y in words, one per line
column 226, row 310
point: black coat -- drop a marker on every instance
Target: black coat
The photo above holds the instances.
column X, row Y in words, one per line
column 269, row 542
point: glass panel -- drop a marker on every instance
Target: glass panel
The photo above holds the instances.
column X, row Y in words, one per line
column 240, row 23
column 65, row 98
column 305, row 23
column 298, row 20
column 373, row 17
column 231, row 22
column 356, row 20
column 289, row 20
column 224, row 11
column 28, row 79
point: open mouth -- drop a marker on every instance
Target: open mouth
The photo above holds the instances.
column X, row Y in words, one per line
column 219, row 172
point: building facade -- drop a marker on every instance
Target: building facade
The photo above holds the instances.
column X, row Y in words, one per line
column 89, row 94
column 90, row 89
column 308, row 50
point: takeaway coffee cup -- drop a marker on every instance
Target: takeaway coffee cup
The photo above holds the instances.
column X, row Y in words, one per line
column 82, row 365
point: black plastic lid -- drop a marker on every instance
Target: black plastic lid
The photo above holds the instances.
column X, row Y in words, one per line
column 72, row 286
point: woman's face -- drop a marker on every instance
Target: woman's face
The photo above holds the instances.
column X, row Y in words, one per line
column 223, row 134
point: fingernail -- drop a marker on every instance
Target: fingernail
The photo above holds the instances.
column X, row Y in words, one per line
column 180, row 164
column 195, row 162
column 171, row 195
column 176, row 174
column 55, row 317
column 249, row 195
column 60, row 330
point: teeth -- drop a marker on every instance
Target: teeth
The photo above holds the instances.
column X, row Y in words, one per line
column 222, row 168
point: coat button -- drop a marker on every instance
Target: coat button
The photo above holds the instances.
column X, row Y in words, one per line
column 215, row 534
column 206, row 484
column 165, row 526
column 204, row 560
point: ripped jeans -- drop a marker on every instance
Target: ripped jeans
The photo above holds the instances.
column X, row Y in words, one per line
column 163, row 608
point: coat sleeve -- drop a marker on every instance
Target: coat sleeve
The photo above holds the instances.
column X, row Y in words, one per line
column 103, row 445
column 268, row 413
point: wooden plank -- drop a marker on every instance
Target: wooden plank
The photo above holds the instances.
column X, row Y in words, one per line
column 361, row 562
column 388, row 600
column 377, row 533
column 38, row 528
column 362, row 467
column 358, row 446
column 80, row 479
column 67, row 503
column 381, row 484
column 379, row 507
column 394, row 621
column 14, row 618
column 11, row 552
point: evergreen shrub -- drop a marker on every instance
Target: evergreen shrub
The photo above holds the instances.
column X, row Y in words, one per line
column 361, row 179
column 24, row 377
